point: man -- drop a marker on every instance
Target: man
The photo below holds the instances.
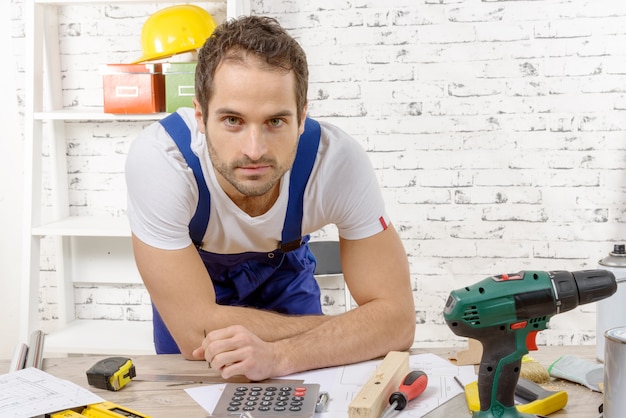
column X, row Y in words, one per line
column 234, row 285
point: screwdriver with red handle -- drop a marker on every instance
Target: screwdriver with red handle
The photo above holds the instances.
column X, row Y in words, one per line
column 412, row 386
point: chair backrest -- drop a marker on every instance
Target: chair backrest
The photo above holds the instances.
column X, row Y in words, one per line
column 327, row 255
column 329, row 264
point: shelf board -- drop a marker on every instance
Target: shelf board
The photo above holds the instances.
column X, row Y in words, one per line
column 61, row 2
column 101, row 337
column 85, row 226
column 96, row 114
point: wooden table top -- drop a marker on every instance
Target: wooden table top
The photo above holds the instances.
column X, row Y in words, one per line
column 159, row 399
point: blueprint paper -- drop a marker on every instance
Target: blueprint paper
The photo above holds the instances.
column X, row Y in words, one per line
column 343, row 383
column 442, row 385
column 30, row 392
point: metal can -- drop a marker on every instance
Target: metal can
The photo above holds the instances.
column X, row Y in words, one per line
column 614, row 366
column 611, row 312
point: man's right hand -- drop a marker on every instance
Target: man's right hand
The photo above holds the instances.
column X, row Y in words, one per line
column 235, row 350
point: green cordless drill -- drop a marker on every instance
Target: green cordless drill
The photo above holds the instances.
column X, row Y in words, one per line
column 505, row 313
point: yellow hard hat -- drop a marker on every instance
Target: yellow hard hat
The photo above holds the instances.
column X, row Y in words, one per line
column 173, row 30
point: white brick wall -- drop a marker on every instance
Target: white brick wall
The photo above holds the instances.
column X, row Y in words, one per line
column 497, row 130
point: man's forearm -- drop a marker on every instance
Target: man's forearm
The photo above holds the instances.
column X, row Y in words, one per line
column 267, row 325
column 370, row 331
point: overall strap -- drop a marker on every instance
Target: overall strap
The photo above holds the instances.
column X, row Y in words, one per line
column 180, row 133
column 300, row 173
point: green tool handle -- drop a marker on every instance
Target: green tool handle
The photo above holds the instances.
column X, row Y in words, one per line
column 499, row 372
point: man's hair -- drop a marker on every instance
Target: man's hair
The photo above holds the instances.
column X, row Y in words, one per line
column 260, row 36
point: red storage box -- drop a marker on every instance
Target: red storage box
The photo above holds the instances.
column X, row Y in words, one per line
column 134, row 88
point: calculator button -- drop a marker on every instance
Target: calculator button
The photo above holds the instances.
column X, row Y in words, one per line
column 268, row 400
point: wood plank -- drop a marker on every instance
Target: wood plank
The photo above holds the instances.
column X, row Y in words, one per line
column 374, row 396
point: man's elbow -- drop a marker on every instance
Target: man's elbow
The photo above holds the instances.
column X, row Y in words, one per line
column 190, row 352
column 406, row 336
column 405, row 330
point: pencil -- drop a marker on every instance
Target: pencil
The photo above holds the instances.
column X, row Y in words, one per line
column 207, row 360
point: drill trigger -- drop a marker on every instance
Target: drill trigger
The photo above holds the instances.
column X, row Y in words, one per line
column 531, row 341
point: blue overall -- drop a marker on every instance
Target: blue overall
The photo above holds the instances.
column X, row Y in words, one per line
column 281, row 280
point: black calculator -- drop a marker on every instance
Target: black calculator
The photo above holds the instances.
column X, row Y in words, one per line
column 267, row 400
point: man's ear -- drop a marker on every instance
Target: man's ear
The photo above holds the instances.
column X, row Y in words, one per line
column 198, row 115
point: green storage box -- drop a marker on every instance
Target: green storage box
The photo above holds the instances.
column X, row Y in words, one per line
column 179, row 84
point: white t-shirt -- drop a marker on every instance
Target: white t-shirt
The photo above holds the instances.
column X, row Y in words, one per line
column 163, row 195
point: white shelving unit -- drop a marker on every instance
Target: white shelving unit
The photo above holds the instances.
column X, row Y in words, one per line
column 94, row 247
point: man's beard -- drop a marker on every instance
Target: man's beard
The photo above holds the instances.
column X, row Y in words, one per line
column 256, row 189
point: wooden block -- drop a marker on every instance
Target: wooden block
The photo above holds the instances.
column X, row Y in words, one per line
column 472, row 355
column 374, row 395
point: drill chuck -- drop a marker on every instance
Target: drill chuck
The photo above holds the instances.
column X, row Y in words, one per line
column 582, row 287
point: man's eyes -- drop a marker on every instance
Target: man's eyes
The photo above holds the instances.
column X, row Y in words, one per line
column 236, row 121
column 275, row 122
column 232, row 120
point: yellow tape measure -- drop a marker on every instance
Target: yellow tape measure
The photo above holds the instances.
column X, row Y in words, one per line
column 112, row 373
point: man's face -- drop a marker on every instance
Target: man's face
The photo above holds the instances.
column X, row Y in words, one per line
column 252, row 128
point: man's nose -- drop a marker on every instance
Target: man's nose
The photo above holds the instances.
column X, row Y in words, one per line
column 254, row 146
